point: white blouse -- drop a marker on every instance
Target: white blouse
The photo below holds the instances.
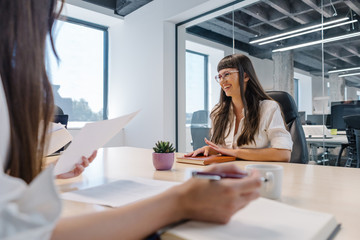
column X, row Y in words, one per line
column 272, row 132
column 26, row 211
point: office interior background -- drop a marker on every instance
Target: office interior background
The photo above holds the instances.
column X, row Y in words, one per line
column 160, row 57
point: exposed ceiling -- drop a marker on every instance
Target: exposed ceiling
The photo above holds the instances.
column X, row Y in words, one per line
column 120, row 7
column 270, row 17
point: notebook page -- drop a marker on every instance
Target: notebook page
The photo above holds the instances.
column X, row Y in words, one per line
column 263, row 219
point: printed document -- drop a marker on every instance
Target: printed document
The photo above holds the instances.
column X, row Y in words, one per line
column 91, row 137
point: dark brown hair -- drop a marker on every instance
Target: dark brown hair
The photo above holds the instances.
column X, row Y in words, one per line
column 24, row 27
column 251, row 99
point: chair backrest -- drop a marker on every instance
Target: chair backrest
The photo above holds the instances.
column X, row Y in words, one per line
column 200, row 128
column 63, row 119
column 299, row 152
column 353, row 136
column 58, row 110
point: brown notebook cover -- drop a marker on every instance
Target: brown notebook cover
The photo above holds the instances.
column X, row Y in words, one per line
column 202, row 160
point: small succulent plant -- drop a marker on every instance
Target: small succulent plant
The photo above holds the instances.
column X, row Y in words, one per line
column 163, row 147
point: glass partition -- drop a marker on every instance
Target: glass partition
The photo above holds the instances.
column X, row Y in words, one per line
column 295, row 46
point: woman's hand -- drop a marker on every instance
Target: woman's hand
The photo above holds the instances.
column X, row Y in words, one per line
column 206, row 151
column 79, row 168
column 217, row 201
column 222, row 150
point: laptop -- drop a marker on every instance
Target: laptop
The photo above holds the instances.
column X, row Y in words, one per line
column 316, row 131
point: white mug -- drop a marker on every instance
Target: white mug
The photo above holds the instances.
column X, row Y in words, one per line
column 271, row 187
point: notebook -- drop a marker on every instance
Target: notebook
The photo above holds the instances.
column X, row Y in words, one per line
column 316, row 131
column 202, row 160
column 262, row 219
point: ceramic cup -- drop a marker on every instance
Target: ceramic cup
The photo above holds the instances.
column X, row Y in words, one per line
column 163, row 161
column 274, row 174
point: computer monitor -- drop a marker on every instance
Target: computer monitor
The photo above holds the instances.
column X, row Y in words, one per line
column 339, row 111
column 319, row 119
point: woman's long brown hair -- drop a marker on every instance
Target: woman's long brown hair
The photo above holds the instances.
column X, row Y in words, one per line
column 24, row 27
column 251, row 99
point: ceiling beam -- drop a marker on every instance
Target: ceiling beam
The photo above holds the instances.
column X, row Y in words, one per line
column 260, row 14
column 352, row 50
column 237, row 24
column 354, row 5
column 313, row 4
column 218, row 27
column 337, row 55
column 218, row 38
column 284, row 8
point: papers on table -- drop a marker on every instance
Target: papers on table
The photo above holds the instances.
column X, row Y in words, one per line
column 91, row 137
column 120, row 192
column 58, row 138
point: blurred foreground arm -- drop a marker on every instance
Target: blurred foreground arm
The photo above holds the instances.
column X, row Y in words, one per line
column 198, row 199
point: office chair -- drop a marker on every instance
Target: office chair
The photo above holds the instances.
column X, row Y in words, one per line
column 200, row 128
column 353, row 136
column 299, row 152
column 60, row 117
column 58, row 110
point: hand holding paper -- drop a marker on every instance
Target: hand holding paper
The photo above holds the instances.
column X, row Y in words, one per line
column 79, row 168
column 91, row 137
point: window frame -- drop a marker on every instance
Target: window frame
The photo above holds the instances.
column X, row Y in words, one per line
column 105, row 30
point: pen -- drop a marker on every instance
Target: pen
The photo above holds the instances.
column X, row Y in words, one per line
column 218, row 176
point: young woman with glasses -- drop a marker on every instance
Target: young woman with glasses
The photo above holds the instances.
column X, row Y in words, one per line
column 246, row 123
column 31, row 211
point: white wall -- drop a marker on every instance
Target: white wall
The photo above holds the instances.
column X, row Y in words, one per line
column 142, row 68
column 305, row 92
column 352, row 93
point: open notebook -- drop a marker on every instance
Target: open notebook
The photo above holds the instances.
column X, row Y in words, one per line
column 262, row 219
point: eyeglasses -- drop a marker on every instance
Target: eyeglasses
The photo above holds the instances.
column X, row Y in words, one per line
column 224, row 76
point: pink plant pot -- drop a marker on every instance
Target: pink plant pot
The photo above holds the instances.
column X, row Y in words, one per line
column 163, row 161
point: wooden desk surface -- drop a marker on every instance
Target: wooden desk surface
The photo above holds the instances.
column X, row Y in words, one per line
column 334, row 190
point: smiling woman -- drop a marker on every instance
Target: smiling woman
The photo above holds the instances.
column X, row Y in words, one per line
column 246, row 123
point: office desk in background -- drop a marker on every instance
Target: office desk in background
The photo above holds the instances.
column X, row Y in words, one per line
column 321, row 188
column 315, row 143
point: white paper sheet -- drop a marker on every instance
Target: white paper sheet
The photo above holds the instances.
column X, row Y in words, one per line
column 120, row 192
column 91, row 137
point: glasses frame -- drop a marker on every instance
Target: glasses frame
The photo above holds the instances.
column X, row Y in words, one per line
column 219, row 78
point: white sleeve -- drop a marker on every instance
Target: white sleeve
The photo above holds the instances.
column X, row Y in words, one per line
column 278, row 135
column 28, row 211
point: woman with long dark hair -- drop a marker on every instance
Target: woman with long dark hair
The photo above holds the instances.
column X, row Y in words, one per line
column 246, row 123
column 31, row 211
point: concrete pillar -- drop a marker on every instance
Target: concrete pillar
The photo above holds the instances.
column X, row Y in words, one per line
column 336, row 88
column 284, row 71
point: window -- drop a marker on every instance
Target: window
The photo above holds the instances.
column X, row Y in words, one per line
column 196, row 83
column 79, row 78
